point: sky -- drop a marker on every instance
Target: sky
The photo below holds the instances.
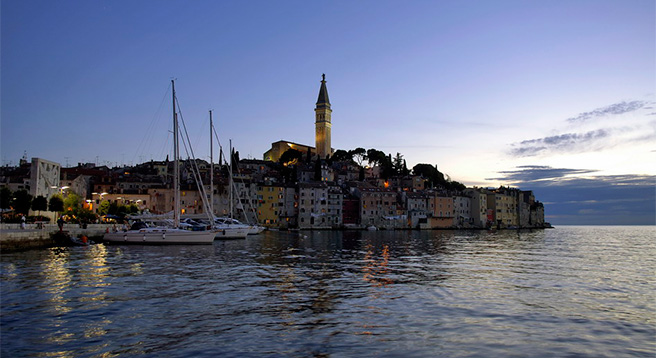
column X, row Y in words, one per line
column 551, row 96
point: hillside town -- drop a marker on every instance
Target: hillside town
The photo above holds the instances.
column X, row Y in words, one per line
column 294, row 186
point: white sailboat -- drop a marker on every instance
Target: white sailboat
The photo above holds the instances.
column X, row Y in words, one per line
column 142, row 233
column 223, row 230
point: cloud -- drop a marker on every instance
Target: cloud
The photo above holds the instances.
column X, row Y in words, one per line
column 533, row 173
column 613, row 109
column 560, row 143
column 578, row 197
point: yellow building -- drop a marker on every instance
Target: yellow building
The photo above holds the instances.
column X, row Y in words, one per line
column 270, row 204
column 505, row 207
column 281, row 146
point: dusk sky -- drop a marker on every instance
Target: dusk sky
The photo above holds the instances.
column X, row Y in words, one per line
column 551, row 96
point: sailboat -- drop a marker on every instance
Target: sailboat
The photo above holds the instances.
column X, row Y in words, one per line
column 143, row 233
column 223, row 230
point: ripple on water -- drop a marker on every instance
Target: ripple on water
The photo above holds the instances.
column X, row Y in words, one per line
column 562, row 292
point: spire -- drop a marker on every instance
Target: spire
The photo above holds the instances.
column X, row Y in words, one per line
column 323, row 101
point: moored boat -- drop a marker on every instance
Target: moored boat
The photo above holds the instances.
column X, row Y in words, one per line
column 142, row 233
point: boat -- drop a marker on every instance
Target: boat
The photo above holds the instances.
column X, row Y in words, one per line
column 222, row 229
column 252, row 229
column 143, row 233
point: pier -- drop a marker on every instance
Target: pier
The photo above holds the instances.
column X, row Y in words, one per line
column 13, row 238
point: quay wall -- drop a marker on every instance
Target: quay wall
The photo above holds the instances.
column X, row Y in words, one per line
column 13, row 238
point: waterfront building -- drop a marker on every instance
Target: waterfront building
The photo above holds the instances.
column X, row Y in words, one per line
column 478, row 208
column 462, row 210
column 313, row 206
column 505, row 207
column 417, row 207
column 350, row 210
column 443, row 211
column 289, row 212
column 271, row 204
column 377, row 206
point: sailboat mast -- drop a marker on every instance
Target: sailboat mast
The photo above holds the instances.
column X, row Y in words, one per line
column 211, row 167
column 232, row 159
column 176, row 164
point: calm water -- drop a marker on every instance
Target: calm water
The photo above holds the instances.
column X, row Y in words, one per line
column 566, row 292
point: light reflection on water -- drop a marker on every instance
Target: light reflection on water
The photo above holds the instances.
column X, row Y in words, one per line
column 569, row 291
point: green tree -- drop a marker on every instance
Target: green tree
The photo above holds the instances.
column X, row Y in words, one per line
column 22, row 202
column 56, row 204
column 5, row 198
column 72, row 204
column 40, row 203
column 85, row 215
column 103, row 208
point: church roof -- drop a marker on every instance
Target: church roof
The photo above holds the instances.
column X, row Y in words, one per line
column 323, row 100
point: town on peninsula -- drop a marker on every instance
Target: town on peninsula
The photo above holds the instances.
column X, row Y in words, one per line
column 294, row 186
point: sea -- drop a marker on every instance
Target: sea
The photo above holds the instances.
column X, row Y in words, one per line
column 571, row 291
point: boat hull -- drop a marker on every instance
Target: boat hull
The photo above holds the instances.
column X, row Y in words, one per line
column 230, row 232
column 161, row 237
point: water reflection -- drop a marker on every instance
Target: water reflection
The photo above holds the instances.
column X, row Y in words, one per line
column 75, row 282
column 429, row 293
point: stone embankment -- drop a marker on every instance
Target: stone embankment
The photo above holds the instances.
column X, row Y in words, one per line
column 13, row 238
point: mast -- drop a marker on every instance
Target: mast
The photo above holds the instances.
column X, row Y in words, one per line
column 232, row 159
column 176, row 164
column 211, row 168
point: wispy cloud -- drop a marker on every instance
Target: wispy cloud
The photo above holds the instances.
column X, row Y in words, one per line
column 613, row 109
column 601, row 131
column 559, row 143
column 532, row 173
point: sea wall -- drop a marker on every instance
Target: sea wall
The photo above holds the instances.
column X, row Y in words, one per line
column 13, row 238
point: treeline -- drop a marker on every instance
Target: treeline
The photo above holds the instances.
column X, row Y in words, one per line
column 391, row 166
column 72, row 206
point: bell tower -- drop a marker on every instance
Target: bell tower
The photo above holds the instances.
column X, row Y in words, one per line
column 322, row 121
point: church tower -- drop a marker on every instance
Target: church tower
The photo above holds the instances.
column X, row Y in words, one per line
column 322, row 121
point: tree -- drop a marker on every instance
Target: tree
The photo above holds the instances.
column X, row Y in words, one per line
column 375, row 157
column 72, row 204
column 56, row 204
column 40, row 203
column 317, row 170
column 397, row 164
column 430, row 173
column 290, row 157
column 22, row 202
column 103, row 208
column 358, row 155
column 341, row 155
column 5, row 198
column 112, row 209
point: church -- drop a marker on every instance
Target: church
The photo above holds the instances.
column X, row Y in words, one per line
column 322, row 124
